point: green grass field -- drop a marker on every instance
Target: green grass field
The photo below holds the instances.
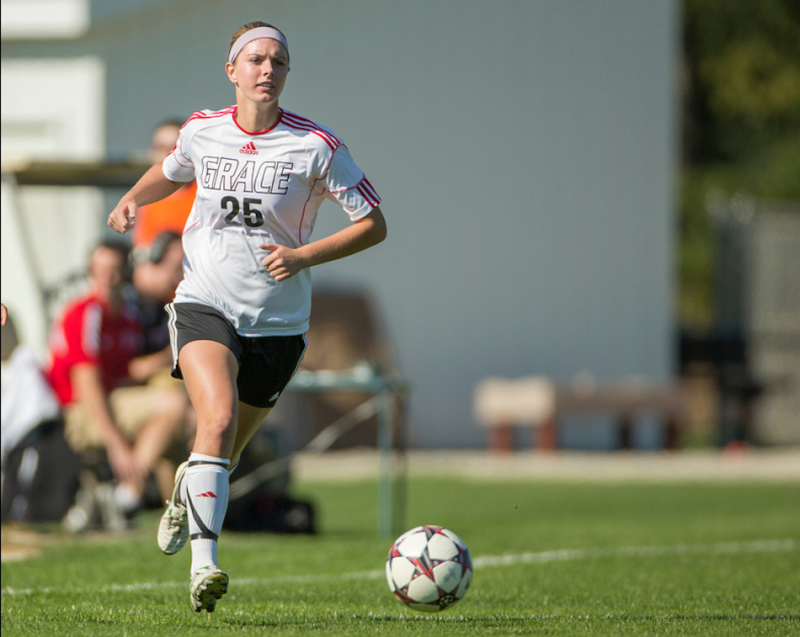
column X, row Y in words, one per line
column 577, row 559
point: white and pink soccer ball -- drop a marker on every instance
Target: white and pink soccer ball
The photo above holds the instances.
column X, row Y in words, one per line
column 429, row 568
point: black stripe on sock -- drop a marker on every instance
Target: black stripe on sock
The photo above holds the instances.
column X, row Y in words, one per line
column 205, row 532
column 194, row 463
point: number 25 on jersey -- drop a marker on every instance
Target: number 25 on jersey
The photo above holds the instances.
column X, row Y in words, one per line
column 252, row 216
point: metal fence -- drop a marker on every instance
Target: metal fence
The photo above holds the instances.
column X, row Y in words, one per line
column 757, row 284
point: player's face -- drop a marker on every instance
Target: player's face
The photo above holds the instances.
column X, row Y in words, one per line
column 260, row 70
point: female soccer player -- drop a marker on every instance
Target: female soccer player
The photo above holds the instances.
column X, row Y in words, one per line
column 241, row 312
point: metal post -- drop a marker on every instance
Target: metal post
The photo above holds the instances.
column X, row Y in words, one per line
column 385, row 469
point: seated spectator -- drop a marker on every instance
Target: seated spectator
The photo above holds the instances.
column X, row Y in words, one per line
column 157, row 271
column 93, row 345
column 27, row 399
column 170, row 213
column 39, row 470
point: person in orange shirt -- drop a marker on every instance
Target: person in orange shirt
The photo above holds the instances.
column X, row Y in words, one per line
column 168, row 214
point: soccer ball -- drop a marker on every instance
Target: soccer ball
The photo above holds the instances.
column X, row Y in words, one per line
column 429, row 568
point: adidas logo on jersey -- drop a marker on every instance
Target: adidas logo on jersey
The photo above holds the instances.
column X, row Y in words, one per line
column 249, row 149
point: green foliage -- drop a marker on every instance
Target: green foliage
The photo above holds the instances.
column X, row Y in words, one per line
column 703, row 579
column 774, row 174
column 741, row 123
column 742, row 59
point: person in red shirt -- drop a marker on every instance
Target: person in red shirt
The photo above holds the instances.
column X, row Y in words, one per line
column 93, row 344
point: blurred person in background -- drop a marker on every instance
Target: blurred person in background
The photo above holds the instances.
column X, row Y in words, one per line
column 169, row 214
column 39, row 470
column 157, row 269
column 240, row 315
column 94, row 342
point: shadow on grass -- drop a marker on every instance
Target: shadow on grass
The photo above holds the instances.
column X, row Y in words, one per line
column 357, row 621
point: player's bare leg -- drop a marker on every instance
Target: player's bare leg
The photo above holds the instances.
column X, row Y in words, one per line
column 209, row 370
column 173, row 531
column 250, row 419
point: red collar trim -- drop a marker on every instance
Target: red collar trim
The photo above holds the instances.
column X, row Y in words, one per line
column 261, row 132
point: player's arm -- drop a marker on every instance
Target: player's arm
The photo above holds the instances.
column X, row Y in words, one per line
column 284, row 262
column 88, row 387
column 153, row 186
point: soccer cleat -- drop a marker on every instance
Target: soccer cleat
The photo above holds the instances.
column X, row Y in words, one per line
column 208, row 585
column 173, row 529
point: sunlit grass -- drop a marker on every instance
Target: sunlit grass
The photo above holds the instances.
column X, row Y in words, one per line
column 578, row 559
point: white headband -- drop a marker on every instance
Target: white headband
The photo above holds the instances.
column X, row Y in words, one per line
column 255, row 34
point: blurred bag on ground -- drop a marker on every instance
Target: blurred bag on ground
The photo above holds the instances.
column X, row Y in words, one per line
column 259, row 499
column 40, row 476
column 40, row 471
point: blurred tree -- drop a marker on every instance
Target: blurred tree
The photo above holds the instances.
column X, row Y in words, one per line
column 742, row 60
column 741, row 122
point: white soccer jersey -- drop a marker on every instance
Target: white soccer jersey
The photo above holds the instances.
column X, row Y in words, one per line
column 254, row 189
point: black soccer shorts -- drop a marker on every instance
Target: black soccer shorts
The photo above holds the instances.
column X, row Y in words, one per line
column 266, row 363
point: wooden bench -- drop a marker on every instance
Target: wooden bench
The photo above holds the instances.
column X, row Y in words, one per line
column 501, row 405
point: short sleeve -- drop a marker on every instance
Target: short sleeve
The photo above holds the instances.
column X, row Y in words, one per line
column 177, row 165
column 346, row 184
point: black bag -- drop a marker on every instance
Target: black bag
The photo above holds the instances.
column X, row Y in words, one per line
column 267, row 507
column 40, row 477
column 265, row 512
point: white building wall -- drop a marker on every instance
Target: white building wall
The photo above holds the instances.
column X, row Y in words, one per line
column 525, row 152
column 48, row 232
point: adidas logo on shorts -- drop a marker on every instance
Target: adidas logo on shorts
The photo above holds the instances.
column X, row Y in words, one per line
column 249, row 149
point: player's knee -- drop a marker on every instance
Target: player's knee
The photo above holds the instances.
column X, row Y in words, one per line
column 219, row 420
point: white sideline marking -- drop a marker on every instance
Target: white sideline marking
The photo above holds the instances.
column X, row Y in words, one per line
column 498, row 561
column 761, row 546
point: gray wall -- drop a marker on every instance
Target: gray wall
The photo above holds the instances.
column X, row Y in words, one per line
column 524, row 150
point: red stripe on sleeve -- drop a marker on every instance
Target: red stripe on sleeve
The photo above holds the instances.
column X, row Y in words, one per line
column 367, row 196
column 369, row 188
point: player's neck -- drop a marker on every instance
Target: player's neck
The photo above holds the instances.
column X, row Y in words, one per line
column 254, row 119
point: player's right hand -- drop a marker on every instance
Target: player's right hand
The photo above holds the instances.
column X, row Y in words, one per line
column 123, row 217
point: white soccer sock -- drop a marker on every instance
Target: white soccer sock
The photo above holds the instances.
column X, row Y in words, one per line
column 205, row 492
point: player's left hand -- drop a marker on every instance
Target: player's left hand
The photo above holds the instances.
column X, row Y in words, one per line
column 282, row 262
